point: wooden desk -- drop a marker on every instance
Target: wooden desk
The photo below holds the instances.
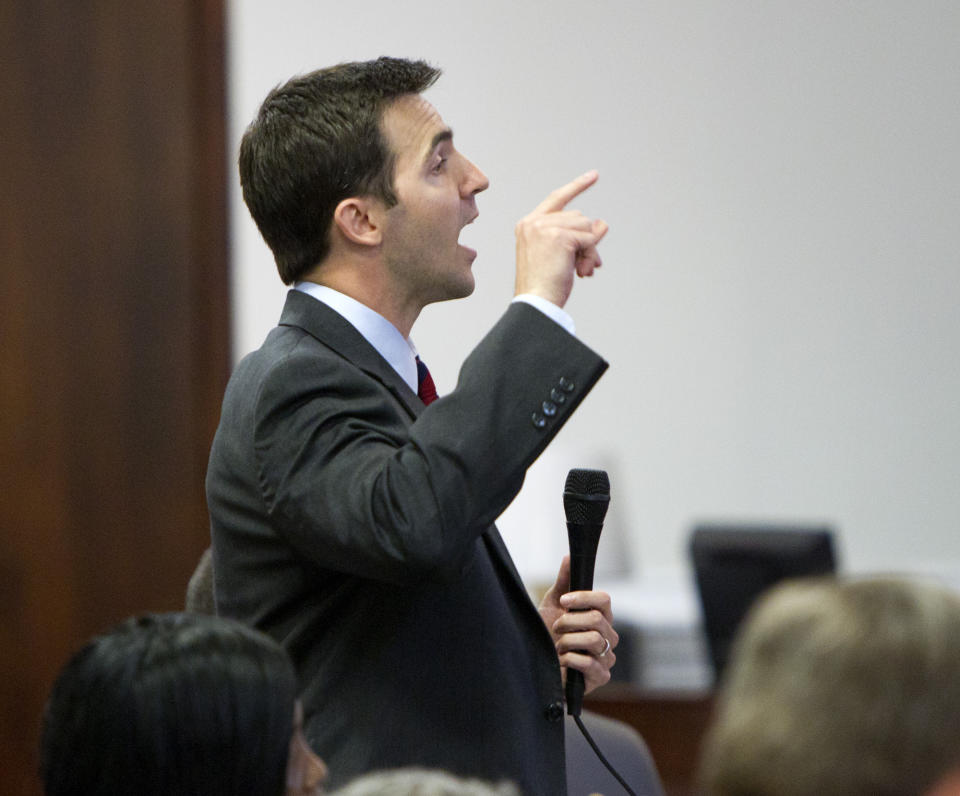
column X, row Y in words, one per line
column 671, row 724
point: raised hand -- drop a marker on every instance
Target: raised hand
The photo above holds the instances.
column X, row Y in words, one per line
column 553, row 243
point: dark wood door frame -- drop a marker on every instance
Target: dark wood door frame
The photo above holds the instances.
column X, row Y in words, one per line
column 114, row 326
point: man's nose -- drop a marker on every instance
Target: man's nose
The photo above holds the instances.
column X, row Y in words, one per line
column 476, row 180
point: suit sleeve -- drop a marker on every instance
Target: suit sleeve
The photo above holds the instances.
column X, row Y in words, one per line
column 356, row 487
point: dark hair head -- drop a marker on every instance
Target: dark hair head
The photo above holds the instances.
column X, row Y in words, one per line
column 316, row 141
column 171, row 704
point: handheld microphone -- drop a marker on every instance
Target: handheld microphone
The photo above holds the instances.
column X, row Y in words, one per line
column 586, row 496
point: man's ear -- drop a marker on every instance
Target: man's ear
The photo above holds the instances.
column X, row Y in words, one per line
column 359, row 221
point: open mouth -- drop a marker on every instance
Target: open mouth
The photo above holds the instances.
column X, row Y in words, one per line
column 471, row 251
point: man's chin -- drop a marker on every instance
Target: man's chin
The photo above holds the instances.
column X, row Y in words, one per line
column 463, row 289
column 458, row 289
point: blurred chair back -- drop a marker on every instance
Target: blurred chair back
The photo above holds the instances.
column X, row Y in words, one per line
column 735, row 564
column 622, row 745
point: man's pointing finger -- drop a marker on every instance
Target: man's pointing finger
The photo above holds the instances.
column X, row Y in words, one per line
column 558, row 199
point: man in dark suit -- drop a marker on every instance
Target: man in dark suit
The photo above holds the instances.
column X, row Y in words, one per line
column 349, row 520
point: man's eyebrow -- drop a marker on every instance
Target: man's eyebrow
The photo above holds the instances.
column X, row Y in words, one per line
column 444, row 135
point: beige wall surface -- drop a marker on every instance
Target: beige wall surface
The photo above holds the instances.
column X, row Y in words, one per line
column 780, row 286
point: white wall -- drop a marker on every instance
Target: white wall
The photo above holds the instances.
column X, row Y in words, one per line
column 779, row 299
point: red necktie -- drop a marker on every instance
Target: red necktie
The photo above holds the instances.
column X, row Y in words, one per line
column 426, row 389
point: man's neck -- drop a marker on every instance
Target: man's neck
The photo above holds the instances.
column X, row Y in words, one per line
column 362, row 285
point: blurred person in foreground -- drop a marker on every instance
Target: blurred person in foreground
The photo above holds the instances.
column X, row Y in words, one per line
column 422, row 782
column 177, row 705
column 841, row 688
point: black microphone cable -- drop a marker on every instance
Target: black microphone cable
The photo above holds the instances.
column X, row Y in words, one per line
column 599, row 754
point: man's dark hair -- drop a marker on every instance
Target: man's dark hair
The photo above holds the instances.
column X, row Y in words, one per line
column 316, row 141
column 171, row 704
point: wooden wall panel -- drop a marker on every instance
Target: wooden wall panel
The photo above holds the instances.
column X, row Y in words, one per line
column 113, row 325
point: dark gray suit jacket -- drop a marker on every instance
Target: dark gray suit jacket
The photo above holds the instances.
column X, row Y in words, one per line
column 355, row 527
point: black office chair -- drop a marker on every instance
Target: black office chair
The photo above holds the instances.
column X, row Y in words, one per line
column 735, row 564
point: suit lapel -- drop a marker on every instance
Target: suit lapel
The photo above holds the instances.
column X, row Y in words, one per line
column 338, row 334
column 510, row 577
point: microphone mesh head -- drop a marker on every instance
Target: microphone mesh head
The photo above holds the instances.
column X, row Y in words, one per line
column 586, row 495
column 588, row 482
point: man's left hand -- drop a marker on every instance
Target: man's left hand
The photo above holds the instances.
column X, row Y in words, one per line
column 581, row 623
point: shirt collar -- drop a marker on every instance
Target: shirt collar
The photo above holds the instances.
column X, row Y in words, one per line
column 398, row 350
